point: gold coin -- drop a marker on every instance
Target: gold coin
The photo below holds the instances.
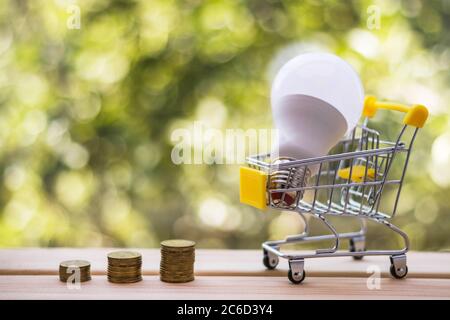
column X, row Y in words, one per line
column 124, row 255
column 176, row 268
column 176, row 251
column 84, row 279
column 123, row 264
column 81, row 279
column 75, row 263
column 121, row 273
column 125, row 272
column 177, row 272
column 171, row 280
column 124, row 269
column 128, row 261
column 176, row 275
column 69, row 274
column 124, row 277
column 83, row 269
column 127, row 280
column 179, row 258
column 73, row 269
column 177, row 243
column 111, row 260
column 177, row 263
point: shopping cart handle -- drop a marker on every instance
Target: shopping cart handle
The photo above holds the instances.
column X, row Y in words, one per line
column 416, row 115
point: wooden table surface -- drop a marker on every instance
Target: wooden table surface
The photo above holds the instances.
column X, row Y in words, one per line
column 223, row 274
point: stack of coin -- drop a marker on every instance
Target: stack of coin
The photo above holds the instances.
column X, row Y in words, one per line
column 177, row 261
column 76, row 270
column 124, row 267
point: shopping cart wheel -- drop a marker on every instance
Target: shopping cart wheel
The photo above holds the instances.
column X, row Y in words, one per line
column 270, row 260
column 296, row 272
column 296, row 279
column 357, row 245
column 398, row 269
column 398, row 274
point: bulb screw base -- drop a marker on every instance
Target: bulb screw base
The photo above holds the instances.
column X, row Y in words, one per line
column 296, row 177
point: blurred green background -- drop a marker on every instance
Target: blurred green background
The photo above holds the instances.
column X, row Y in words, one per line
column 86, row 114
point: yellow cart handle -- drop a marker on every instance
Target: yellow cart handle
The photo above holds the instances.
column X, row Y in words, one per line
column 416, row 115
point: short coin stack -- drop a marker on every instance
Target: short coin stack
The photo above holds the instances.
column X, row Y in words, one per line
column 75, row 270
column 124, row 267
column 177, row 261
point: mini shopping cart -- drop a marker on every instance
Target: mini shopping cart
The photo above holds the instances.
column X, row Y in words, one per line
column 354, row 181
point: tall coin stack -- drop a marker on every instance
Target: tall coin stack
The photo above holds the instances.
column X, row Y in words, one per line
column 177, row 261
column 124, row 267
column 75, row 267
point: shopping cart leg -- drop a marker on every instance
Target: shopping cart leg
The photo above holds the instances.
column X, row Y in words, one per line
column 296, row 272
column 335, row 235
column 270, row 260
column 399, row 269
column 358, row 244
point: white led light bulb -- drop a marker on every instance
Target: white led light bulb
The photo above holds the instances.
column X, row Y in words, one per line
column 316, row 98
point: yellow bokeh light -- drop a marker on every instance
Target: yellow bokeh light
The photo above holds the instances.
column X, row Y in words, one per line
column 440, row 156
column 74, row 189
column 213, row 212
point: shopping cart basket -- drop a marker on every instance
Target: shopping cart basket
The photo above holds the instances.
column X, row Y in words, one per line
column 354, row 180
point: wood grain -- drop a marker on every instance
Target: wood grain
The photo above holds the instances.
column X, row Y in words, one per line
column 221, row 263
column 222, row 274
column 230, row 287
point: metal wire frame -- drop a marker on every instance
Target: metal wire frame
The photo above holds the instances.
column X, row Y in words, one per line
column 344, row 197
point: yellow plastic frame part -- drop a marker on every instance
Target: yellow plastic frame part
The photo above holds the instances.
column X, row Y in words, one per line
column 358, row 173
column 252, row 188
column 416, row 115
